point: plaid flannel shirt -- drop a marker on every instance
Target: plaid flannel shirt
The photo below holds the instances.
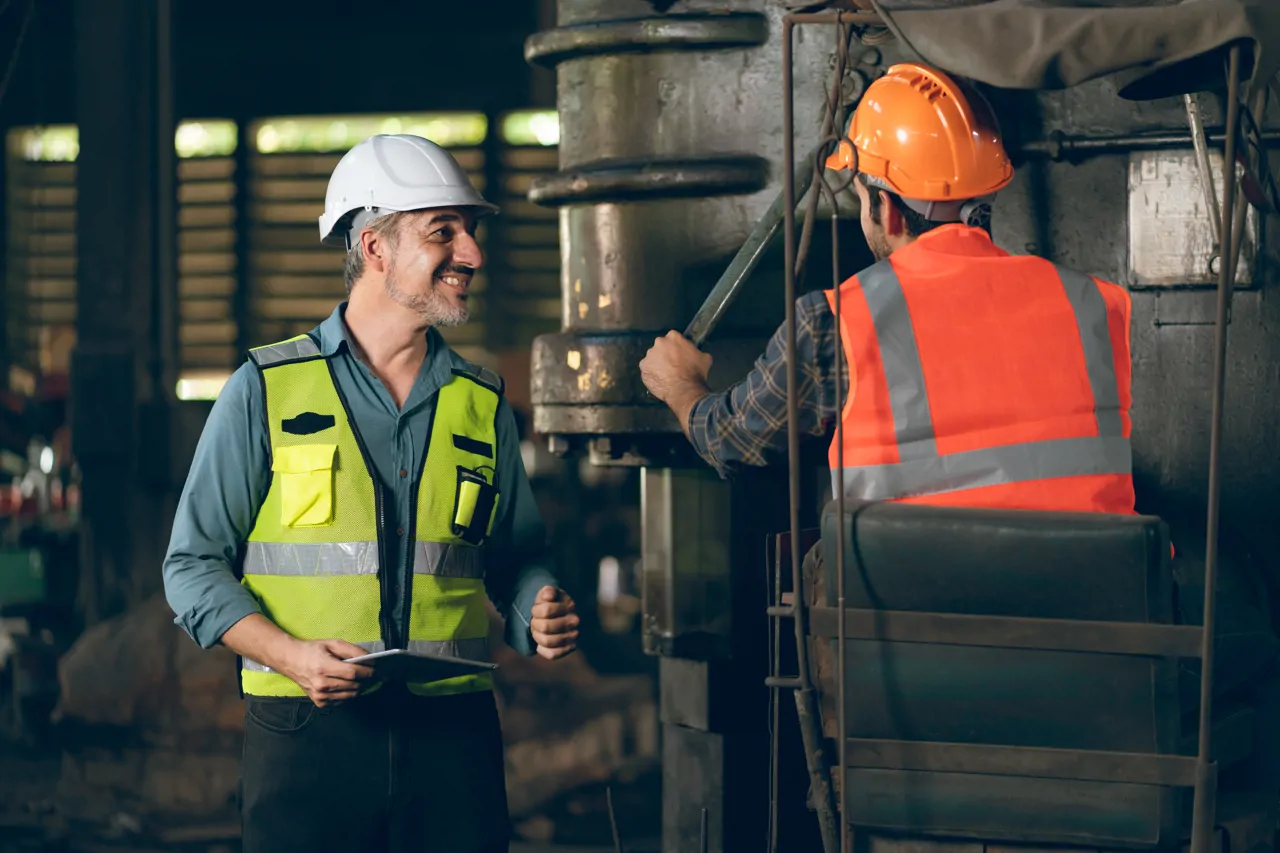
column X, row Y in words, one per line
column 746, row 423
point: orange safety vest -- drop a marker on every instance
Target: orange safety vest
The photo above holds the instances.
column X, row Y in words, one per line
column 983, row 379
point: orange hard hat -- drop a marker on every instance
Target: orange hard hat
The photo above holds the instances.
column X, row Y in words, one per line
column 922, row 135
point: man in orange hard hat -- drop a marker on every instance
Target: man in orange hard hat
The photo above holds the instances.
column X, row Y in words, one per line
column 979, row 378
column 975, row 377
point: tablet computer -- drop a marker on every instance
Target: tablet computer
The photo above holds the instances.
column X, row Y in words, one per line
column 404, row 665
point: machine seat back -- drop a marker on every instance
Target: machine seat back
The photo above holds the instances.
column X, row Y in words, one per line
column 1009, row 676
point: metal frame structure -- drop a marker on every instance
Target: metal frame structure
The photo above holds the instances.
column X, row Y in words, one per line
column 1199, row 772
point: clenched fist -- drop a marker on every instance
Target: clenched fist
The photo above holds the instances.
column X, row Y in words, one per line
column 674, row 365
column 555, row 623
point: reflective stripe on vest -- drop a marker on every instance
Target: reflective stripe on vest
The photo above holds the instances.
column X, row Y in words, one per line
column 921, row 470
column 312, row 558
column 357, row 558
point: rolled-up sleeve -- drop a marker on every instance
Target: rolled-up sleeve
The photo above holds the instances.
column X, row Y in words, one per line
column 517, row 557
column 228, row 481
column 747, row 422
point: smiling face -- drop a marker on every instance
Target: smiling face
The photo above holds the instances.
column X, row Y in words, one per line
column 431, row 262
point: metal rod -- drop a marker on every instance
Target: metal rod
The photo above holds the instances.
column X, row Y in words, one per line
column 730, row 283
column 842, row 674
column 1196, row 126
column 806, row 711
column 165, row 353
column 855, row 18
column 613, row 820
column 1206, row 784
column 702, row 844
column 828, row 127
column 793, row 410
column 840, row 567
column 775, row 702
column 1058, row 145
column 1239, row 233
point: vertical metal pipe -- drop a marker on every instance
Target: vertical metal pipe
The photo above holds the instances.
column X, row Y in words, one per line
column 805, row 711
column 1206, row 784
column 241, row 300
column 1239, row 217
column 793, row 411
column 775, row 705
column 840, row 567
column 843, row 675
column 165, row 353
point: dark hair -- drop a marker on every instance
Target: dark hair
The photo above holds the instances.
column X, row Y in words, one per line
column 915, row 222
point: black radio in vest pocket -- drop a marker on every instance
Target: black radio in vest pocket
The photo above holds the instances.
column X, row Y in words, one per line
column 473, row 502
column 307, row 423
column 470, row 445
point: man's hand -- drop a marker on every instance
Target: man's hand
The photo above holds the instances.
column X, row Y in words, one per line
column 555, row 623
column 673, row 366
column 675, row 371
column 319, row 668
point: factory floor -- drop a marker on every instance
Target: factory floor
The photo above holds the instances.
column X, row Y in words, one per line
column 30, row 821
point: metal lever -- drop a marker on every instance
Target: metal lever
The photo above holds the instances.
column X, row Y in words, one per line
column 745, row 261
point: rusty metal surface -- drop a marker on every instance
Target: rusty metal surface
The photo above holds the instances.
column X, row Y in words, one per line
column 687, row 31
column 651, row 177
column 1171, row 230
column 669, row 154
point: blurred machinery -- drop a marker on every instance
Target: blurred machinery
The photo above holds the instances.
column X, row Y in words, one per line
column 670, row 153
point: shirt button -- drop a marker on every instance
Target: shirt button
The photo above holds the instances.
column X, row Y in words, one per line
column 403, row 473
column 399, row 531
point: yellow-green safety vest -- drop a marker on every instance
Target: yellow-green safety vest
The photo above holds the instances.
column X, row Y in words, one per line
column 314, row 561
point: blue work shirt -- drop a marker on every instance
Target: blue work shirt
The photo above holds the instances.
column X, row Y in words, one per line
column 230, row 475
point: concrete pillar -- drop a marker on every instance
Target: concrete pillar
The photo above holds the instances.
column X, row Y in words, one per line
column 123, row 368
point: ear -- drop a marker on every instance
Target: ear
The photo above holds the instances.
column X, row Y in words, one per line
column 890, row 217
column 374, row 247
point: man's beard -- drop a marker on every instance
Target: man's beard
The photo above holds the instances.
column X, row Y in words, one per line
column 433, row 306
column 878, row 245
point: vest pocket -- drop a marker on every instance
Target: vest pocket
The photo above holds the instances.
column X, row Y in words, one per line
column 306, row 483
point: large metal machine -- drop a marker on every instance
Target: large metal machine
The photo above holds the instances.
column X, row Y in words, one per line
column 680, row 123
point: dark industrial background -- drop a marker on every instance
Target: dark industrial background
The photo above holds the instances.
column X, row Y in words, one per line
column 137, row 272
column 114, row 345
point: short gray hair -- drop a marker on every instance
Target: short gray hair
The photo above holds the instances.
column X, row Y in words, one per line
column 387, row 227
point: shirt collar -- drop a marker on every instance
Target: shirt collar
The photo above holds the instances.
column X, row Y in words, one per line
column 955, row 239
column 335, row 340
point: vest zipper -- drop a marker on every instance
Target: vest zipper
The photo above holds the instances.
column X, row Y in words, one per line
column 384, row 576
column 411, row 528
column 385, row 623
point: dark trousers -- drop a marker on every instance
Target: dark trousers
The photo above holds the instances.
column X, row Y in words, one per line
column 386, row 772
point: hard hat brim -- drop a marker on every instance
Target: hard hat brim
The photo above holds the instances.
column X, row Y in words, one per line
column 337, row 234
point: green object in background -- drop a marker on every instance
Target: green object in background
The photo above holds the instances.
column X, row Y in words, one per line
column 22, row 579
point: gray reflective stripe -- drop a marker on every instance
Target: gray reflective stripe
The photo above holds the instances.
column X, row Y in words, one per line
column 473, row 649
column 990, row 466
column 1095, row 337
column 908, row 398
column 450, row 561
column 312, row 559
column 286, row 351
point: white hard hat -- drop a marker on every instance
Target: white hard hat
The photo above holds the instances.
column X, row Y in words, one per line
column 394, row 172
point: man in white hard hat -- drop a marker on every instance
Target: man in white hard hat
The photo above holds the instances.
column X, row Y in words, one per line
column 359, row 489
